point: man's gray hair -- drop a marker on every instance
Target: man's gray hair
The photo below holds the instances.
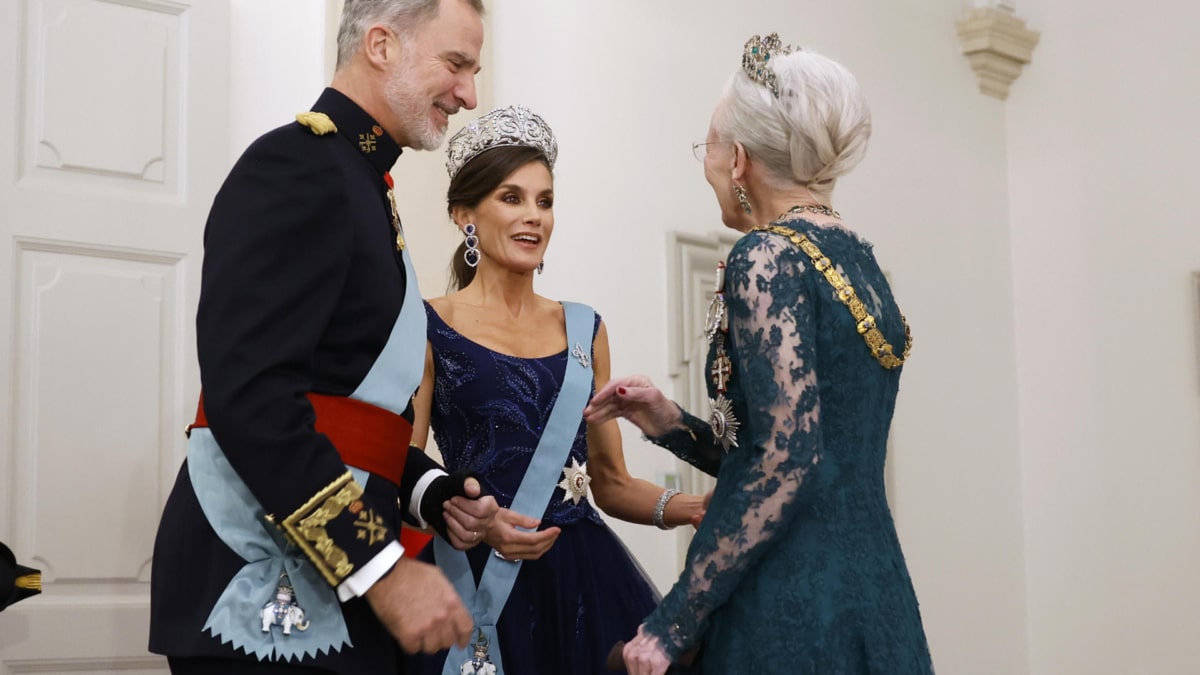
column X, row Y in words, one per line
column 403, row 16
column 815, row 131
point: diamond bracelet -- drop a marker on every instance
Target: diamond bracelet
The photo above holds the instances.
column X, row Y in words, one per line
column 661, row 507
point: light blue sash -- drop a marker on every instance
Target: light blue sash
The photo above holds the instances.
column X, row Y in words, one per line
column 533, row 496
column 237, row 517
column 398, row 370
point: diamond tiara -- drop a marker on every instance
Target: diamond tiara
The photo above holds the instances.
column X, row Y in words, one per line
column 758, row 53
column 511, row 126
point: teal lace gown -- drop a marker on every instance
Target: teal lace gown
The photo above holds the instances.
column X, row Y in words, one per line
column 797, row 567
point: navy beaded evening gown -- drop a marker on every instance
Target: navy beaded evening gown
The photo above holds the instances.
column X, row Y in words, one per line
column 568, row 608
column 797, row 568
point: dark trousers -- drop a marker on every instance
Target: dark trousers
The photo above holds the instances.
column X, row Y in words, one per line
column 211, row 666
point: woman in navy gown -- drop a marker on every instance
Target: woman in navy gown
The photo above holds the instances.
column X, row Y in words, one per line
column 495, row 371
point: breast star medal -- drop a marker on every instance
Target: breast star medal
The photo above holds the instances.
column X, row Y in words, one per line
column 724, row 424
column 575, row 481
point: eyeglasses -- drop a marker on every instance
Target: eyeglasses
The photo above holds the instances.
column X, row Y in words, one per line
column 699, row 150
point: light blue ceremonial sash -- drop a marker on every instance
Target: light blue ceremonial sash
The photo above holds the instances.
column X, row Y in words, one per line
column 238, row 518
column 398, row 370
column 533, row 496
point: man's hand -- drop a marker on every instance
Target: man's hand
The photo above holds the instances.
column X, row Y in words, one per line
column 469, row 518
column 420, row 608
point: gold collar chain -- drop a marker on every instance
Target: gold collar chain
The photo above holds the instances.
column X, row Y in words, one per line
column 880, row 348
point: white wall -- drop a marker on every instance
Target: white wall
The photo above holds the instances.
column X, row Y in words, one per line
column 279, row 64
column 1103, row 149
column 628, row 85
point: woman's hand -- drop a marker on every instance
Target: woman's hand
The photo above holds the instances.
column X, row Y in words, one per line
column 519, row 544
column 636, row 399
column 469, row 518
column 644, row 656
column 697, row 517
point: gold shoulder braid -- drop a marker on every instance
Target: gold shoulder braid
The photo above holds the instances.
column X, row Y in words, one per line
column 879, row 346
column 318, row 123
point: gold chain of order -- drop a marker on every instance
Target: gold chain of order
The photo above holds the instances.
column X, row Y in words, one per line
column 880, row 348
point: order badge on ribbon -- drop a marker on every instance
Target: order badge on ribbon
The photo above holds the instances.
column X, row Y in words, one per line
column 283, row 610
column 480, row 663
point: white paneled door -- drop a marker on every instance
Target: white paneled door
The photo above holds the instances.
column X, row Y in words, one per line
column 113, row 140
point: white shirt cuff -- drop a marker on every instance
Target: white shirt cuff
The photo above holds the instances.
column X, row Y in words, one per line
column 357, row 584
column 414, row 504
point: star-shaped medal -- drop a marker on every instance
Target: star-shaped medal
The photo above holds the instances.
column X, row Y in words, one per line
column 724, row 424
column 575, row 481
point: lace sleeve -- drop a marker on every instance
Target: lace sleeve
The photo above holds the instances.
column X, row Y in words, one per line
column 693, row 443
column 772, row 336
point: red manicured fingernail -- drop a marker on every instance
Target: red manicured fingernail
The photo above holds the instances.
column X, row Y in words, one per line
column 621, row 390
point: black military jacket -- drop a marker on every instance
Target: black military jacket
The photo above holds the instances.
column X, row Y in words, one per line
column 301, row 285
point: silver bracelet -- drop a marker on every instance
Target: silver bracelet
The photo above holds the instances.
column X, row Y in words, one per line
column 661, row 507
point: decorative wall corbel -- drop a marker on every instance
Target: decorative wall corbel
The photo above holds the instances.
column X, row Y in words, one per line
column 997, row 44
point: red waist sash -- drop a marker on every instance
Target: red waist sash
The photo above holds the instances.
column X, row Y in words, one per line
column 366, row 436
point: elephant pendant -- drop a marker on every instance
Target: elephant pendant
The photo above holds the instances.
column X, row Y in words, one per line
column 283, row 610
column 480, row 663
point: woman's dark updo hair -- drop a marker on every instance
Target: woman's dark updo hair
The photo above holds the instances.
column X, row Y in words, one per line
column 476, row 180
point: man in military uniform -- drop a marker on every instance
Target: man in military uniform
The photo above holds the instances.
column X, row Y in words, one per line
column 311, row 342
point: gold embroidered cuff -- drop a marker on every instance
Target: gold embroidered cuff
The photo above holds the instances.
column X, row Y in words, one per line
column 306, row 527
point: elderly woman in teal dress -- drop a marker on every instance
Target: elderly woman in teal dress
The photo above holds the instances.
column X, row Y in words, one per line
column 796, row 567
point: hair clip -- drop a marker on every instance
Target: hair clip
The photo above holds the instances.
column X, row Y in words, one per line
column 757, row 53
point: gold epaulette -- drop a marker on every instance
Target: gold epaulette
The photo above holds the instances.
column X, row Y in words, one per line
column 306, row 527
column 30, row 582
column 318, row 123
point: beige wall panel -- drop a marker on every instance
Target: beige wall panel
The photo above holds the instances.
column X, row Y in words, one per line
column 96, row 348
column 110, row 117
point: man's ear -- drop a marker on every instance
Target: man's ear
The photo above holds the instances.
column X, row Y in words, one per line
column 378, row 45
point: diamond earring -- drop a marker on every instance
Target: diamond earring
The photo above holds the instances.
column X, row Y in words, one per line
column 471, row 255
column 740, row 193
